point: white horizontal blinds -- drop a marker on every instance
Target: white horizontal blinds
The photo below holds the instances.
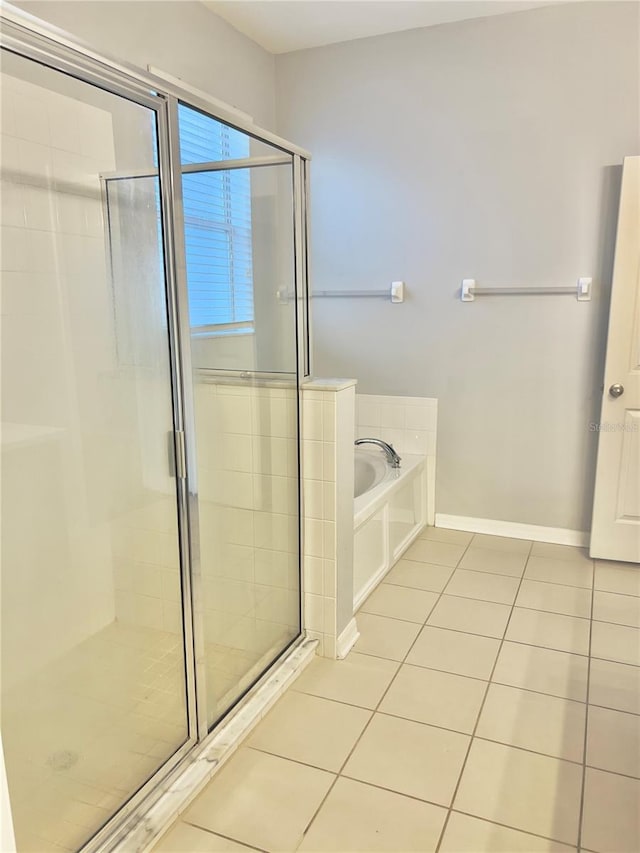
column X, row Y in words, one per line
column 217, row 215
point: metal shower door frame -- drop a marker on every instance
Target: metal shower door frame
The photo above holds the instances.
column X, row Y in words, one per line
column 23, row 35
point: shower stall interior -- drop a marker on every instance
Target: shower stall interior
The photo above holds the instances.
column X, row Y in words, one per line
column 150, row 428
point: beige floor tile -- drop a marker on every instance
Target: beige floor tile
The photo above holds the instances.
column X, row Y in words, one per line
column 615, row 642
column 621, row 609
column 440, row 553
column 568, row 600
column 551, row 630
column 400, row 602
column 614, row 685
column 443, row 534
column 611, row 819
column 484, row 586
column 501, row 543
column 437, row 698
column 357, row 680
column 544, row 670
column 617, row 577
column 533, row 721
column 470, row 615
column 310, row 729
column 466, row 834
column 523, row 790
column 184, row 838
column 452, row 651
column 410, row 758
column 383, row 637
column 613, row 741
column 566, row 572
column 495, row 562
column 419, row 575
column 361, row 819
column 559, row 552
column 261, row 800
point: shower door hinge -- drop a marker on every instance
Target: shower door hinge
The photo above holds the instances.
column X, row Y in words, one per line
column 177, row 454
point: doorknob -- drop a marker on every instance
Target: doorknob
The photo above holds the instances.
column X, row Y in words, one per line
column 616, row 390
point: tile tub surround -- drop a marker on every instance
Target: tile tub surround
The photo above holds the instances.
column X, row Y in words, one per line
column 454, row 736
column 409, row 424
column 445, row 732
column 333, row 415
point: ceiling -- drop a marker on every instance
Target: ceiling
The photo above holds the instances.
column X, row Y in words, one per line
column 281, row 26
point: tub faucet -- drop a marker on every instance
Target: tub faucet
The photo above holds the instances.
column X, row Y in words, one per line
column 392, row 457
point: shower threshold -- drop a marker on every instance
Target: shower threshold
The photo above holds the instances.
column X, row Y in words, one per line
column 172, row 796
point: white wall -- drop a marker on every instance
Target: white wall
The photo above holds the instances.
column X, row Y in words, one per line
column 489, row 149
column 182, row 38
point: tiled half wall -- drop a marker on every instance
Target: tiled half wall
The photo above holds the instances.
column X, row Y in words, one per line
column 333, row 416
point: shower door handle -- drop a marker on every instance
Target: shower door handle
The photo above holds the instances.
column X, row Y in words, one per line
column 176, row 454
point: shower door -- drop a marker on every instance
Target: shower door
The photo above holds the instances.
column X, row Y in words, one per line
column 150, row 432
column 93, row 644
column 238, row 243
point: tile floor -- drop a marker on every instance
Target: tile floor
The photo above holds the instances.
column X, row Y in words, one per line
column 91, row 727
column 492, row 703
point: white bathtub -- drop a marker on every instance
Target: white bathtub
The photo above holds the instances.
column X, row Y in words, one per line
column 390, row 510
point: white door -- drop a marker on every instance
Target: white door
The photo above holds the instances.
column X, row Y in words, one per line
column 615, row 529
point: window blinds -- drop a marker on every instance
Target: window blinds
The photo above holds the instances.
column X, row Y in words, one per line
column 217, row 213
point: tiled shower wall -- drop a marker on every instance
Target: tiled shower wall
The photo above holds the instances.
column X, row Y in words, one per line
column 248, row 523
column 60, row 589
column 248, row 487
column 79, row 408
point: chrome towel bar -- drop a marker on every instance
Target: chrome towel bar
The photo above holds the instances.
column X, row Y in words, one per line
column 394, row 293
column 469, row 290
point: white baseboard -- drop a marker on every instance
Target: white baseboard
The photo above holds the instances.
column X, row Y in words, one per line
column 514, row 530
column 347, row 640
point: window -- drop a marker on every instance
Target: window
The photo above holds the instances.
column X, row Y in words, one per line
column 217, row 215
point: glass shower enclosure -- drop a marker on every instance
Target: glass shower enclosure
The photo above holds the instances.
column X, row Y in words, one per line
column 150, row 429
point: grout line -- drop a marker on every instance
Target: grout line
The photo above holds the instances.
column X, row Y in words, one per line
column 475, row 634
column 458, row 630
column 338, row 701
column 512, row 607
column 517, row 829
column 610, row 708
column 299, row 761
column 395, row 618
column 393, row 791
column 504, row 683
column 586, row 729
column 557, row 583
column 613, row 772
column 217, row 834
column 613, row 591
column 479, row 714
column 441, row 728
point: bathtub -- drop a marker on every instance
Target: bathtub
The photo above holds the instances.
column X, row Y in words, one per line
column 390, row 510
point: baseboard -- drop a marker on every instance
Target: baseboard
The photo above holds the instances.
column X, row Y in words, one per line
column 347, row 639
column 514, row 530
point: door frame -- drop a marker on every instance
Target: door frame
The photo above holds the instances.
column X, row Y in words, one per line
column 32, row 39
column 609, row 540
